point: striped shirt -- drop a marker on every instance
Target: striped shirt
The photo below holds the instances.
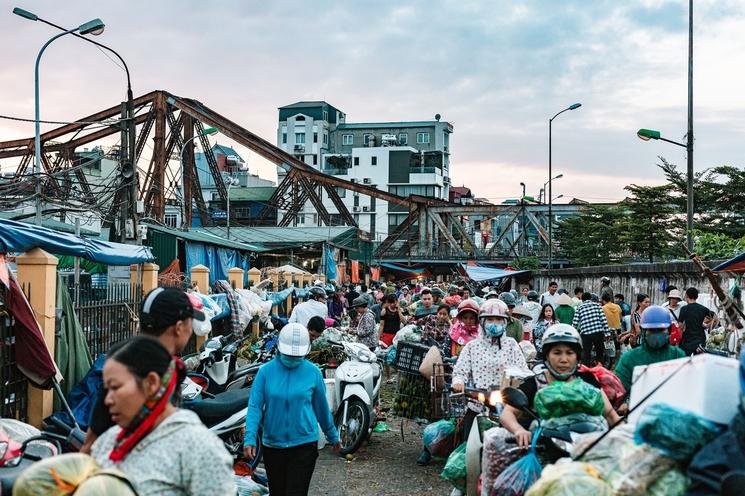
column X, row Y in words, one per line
column 589, row 318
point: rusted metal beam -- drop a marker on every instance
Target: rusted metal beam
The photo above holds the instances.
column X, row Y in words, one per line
column 503, row 234
column 160, row 160
column 340, row 206
column 187, row 162
column 211, row 162
column 446, row 232
column 310, row 187
column 459, row 227
column 397, row 233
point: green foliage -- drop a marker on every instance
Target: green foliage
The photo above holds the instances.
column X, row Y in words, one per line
column 593, row 237
column 527, row 263
column 651, row 230
column 714, row 245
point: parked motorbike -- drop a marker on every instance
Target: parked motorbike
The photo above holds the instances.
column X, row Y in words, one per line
column 217, row 361
column 224, row 414
column 356, row 395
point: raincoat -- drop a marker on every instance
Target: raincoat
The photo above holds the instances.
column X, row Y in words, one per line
column 643, row 355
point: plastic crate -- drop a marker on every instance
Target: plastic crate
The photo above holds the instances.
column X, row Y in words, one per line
column 412, row 396
column 445, row 404
column 409, row 356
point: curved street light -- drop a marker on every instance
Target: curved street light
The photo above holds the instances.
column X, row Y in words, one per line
column 573, row 106
column 95, row 27
column 208, row 131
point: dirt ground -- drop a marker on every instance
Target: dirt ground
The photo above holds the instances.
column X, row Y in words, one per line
column 387, row 466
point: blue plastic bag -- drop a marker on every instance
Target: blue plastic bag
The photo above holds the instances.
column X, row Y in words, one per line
column 390, row 357
column 516, row 479
column 679, row 434
column 439, row 438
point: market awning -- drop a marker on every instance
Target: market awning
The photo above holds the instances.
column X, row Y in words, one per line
column 483, row 273
column 736, row 264
column 20, row 237
column 403, row 268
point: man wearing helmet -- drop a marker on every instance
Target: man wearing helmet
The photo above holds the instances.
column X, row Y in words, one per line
column 655, row 344
column 514, row 326
column 562, row 351
column 315, row 306
column 483, row 361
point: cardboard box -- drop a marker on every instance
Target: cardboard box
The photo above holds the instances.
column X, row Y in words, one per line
column 708, row 386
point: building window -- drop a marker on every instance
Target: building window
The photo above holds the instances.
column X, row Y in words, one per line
column 356, row 160
column 367, row 138
column 301, row 219
column 284, row 138
column 347, row 139
column 341, row 192
column 299, row 138
column 325, row 115
column 403, row 139
column 300, row 118
column 315, row 137
column 356, row 200
column 315, row 159
column 422, row 138
column 325, row 139
column 171, row 220
column 373, row 160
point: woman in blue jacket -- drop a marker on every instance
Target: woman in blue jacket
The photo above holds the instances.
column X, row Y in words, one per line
column 288, row 400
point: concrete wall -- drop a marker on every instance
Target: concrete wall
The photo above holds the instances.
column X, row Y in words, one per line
column 632, row 279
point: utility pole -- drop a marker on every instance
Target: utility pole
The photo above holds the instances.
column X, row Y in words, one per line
column 689, row 142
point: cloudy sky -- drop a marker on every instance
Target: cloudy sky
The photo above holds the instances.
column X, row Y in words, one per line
column 496, row 69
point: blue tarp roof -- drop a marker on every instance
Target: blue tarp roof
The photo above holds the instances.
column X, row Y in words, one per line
column 484, row 273
column 736, row 264
column 20, row 237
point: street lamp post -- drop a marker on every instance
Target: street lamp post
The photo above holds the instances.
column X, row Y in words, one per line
column 648, row 134
column 95, row 27
column 543, row 189
column 573, row 106
column 232, row 182
column 207, row 132
column 525, row 230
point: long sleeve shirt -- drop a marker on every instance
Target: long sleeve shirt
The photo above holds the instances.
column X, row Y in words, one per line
column 589, row 318
column 289, row 404
column 366, row 330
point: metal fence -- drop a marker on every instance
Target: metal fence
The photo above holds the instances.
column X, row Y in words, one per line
column 107, row 314
column 13, row 385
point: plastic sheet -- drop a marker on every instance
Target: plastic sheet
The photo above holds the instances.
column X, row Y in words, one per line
column 678, row 433
column 672, row 483
column 439, row 438
column 249, row 487
column 516, row 479
column 601, row 425
column 390, row 356
column 455, row 468
column 564, row 398
column 609, row 382
column 569, row 479
column 409, row 333
column 80, row 473
column 628, row 468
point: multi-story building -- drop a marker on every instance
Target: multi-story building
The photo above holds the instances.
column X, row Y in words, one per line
column 399, row 157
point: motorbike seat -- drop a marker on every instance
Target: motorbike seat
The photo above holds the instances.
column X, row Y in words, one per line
column 214, row 410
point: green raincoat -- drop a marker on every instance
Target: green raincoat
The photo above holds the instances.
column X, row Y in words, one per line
column 642, row 355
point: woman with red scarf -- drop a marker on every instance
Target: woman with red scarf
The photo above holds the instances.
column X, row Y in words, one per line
column 162, row 449
column 465, row 326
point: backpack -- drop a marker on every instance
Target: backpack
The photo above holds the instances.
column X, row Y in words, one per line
column 675, row 335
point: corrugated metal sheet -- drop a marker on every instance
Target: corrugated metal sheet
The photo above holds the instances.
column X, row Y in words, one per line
column 164, row 247
column 285, row 236
column 202, row 235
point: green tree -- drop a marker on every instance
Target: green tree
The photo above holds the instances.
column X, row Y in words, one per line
column 593, row 237
column 716, row 245
column 527, row 263
column 651, row 230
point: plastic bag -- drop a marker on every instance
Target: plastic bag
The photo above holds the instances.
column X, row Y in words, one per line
column 601, row 425
column 409, row 333
column 628, row 468
column 390, row 356
column 249, row 487
column 609, row 382
column 439, row 438
column 496, row 455
column 516, row 479
column 569, row 479
column 673, row 483
column 528, row 350
column 455, row 468
column 563, row 398
column 678, row 433
column 79, row 473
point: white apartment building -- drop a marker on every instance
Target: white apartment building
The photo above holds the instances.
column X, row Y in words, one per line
column 399, row 157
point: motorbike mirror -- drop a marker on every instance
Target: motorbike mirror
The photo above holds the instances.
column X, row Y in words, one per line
column 733, row 483
column 515, row 398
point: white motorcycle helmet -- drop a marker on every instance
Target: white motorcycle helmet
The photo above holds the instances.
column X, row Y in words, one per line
column 294, row 340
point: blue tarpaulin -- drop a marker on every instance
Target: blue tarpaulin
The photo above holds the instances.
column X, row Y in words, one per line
column 736, row 264
column 484, row 273
column 19, row 237
column 402, row 268
column 330, row 263
column 218, row 260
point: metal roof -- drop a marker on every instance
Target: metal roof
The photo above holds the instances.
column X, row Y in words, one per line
column 252, row 193
column 379, row 125
column 200, row 235
column 286, row 236
column 305, row 104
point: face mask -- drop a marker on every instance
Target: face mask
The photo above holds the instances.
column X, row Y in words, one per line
column 658, row 340
column 291, row 362
column 493, row 329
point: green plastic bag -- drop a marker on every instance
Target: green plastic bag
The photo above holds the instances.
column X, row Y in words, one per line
column 673, row 483
column 567, row 397
column 381, row 427
column 569, row 479
column 455, row 468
